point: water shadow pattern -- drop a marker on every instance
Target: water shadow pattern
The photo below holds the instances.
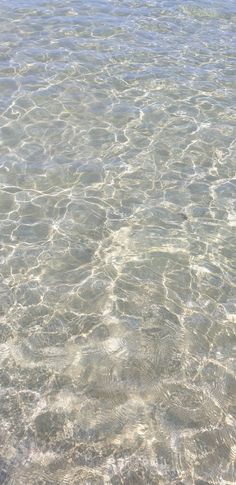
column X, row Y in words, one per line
column 117, row 248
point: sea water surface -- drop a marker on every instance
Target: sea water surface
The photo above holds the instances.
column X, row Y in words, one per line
column 117, row 242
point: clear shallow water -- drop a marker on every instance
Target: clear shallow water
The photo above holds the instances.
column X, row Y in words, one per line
column 117, row 223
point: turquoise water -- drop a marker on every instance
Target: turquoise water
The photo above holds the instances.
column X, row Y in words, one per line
column 117, row 242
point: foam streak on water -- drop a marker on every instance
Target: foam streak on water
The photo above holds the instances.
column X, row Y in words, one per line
column 117, row 242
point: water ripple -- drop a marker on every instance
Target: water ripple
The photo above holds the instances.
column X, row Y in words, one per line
column 117, row 221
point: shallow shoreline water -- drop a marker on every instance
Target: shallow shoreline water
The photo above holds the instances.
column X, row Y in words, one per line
column 117, row 249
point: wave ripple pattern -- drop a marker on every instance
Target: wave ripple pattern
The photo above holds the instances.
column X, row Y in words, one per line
column 117, row 242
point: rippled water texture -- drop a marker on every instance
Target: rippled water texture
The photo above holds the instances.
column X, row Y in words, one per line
column 117, row 246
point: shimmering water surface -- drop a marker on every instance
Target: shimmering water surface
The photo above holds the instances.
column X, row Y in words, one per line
column 117, row 229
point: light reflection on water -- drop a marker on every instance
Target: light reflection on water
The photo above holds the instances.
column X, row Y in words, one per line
column 117, row 246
